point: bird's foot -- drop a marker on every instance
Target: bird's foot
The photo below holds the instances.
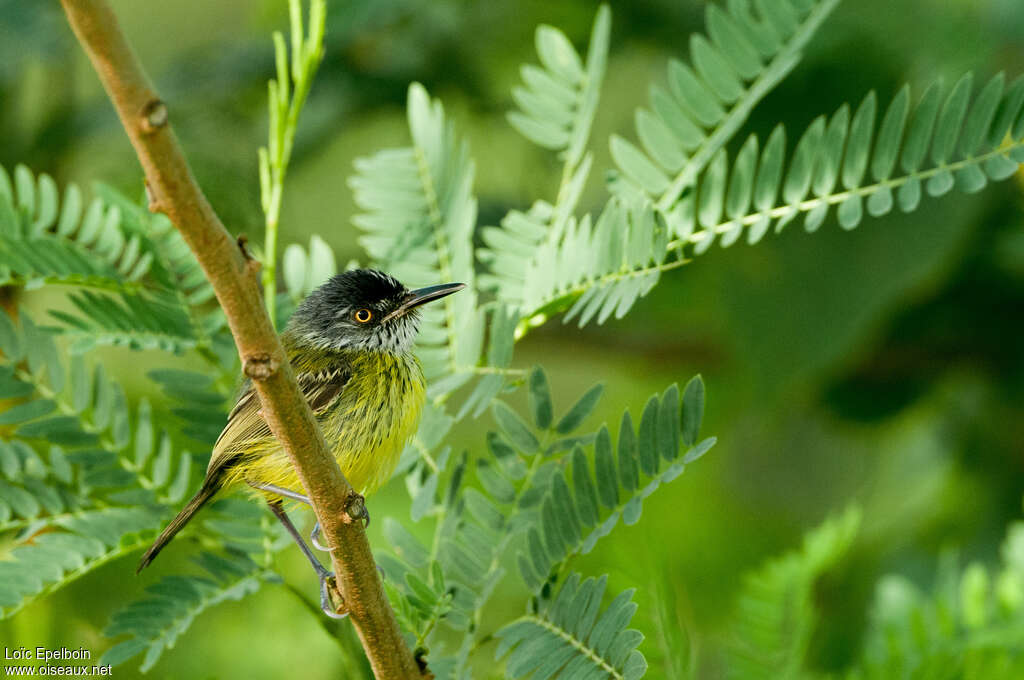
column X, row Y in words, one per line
column 355, row 507
column 327, row 585
column 314, row 538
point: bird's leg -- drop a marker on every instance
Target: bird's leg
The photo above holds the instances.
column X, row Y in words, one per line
column 314, row 536
column 281, row 491
column 355, row 506
column 325, row 576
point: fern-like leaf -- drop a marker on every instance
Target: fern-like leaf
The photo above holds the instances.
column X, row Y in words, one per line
column 419, row 216
column 155, row 622
column 83, row 480
column 949, row 141
column 600, row 270
column 970, row 625
column 585, row 506
column 43, row 563
column 775, row 615
column 52, row 241
column 303, row 271
column 570, row 637
column 557, row 105
column 708, row 101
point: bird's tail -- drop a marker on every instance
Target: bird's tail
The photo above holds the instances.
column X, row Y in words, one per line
column 209, row 488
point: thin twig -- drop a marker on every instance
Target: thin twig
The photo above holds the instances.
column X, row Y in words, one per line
column 236, row 281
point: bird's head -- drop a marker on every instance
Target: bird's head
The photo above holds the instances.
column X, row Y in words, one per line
column 363, row 309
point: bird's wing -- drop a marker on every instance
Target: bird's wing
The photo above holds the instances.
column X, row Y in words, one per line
column 246, row 425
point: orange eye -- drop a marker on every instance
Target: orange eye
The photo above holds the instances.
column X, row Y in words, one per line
column 364, row 315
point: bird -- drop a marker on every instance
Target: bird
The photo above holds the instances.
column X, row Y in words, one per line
column 350, row 344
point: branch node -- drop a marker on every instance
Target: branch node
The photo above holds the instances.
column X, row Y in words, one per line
column 260, row 367
column 154, row 116
column 152, row 203
column 251, row 263
column 355, row 509
column 420, row 656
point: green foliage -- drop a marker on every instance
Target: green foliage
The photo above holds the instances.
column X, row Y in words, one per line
column 49, row 241
column 86, row 476
column 78, row 542
column 706, row 103
column 558, row 104
column 155, row 623
column 521, row 508
column 79, row 466
column 287, row 96
column 419, row 215
column 140, row 285
column 970, row 626
column 967, row 143
column 303, row 271
column 570, row 637
column 571, row 522
column 775, row 615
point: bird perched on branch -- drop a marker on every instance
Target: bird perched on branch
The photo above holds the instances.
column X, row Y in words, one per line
column 350, row 343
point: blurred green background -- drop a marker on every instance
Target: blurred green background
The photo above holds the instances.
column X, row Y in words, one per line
column 882, row 367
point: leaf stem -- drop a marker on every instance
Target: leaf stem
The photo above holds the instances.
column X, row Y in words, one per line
column 284, row 111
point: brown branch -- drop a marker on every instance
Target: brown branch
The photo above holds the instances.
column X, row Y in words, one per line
column 235, row 278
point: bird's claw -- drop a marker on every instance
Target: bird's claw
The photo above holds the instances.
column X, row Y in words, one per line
column 326, row 604
column 314, row 538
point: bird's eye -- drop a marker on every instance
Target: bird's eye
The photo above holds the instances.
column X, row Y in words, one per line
column 363, row 315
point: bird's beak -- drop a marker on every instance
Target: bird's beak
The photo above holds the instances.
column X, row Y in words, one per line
column 421, row 296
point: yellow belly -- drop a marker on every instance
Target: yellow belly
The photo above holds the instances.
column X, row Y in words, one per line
column 366, row 428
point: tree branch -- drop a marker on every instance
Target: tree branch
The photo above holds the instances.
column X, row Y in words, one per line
column 235, row 278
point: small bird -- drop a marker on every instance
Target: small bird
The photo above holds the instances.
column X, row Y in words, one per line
column 350, row 343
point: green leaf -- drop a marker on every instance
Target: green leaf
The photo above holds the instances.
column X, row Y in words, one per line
column 712, row 191
column 26, row 411
column 798, row 181
column 539, row 396
column 1007, row 112
column 980, row 119
column 628, row 468
column 144, row 437
column 741, row 184
column 692, row 410
column 648, row 438
column 770, row 173
column 10, row 339
column 566, row 638
column 558, row 55
column 887, row 146
column 830, row 154
column 734, row 45
column 693, row 94
column 514, row 428
column 915, row 146
column 715, row 70
column 293, row 264
column 950, row 120
column 636, row 166
column 10, row 464
column 604, row 470
column 580, row 410
column 858, row 145
column 585, row 490
column 659, row 140
column 776, row 613
column 668, row 423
